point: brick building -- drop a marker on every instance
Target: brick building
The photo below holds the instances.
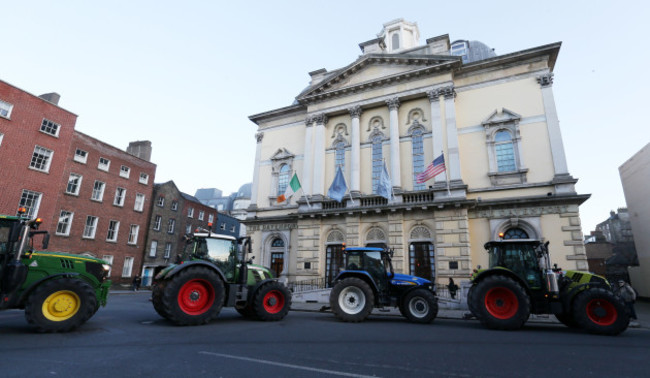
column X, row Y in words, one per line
column 93, row 198
column 173, row 214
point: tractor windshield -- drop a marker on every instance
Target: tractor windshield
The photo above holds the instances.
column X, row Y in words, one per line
column 222, row 252
column 521, row 258
column 5, row 233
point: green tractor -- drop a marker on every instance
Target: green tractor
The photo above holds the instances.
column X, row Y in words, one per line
column 520, row 282
column 212, row 273
column 59, row 291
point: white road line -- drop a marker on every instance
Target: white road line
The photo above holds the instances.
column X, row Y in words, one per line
column 291, row 366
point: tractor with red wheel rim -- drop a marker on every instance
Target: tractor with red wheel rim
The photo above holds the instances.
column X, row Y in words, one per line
column 213, row 273
column 520, row 282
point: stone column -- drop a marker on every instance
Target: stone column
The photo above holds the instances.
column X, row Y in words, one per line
column 319, row 156
column 553, row 125
column 355, row 151
column 308, row 167
column 436, row 129
column 395, row 176
column 453, row 165
column 256, row 170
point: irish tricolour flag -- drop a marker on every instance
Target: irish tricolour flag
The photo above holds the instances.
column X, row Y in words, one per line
column 293, row 187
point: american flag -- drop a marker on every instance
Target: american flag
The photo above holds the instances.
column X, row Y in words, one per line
column 436, row 167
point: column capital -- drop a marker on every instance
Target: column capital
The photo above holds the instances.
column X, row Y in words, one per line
column 545, row 80
column 448, row 92
column 259, row 137
column 309, row 120
column 320, row 119
column 393, row 103
column 355, row 111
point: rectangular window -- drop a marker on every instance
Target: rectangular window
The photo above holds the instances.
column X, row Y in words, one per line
column 139, row 202
column 125, row 171
column 232, row 228
column 168, row 250
column 190, row 212
column 144, row 178
column 174, row 205
column 211, row 218
column 113, row 229
column 30, row 201
column 223, row 226
column 90, row 228
column 98, row 191
column 201, row 215
column 49, row 127
column 80, row 156
column 65, row 220
column 133, row 234
column 1, row 137
column 161, row 201
column 188, row 229
column 74, row 184
column 104, row 164
column 128, row 267
column 171, row 224
column 5, row 109
column 41, row 159
column 153, row 249
column 109, row 261
column 157, row 222
column 120, row 195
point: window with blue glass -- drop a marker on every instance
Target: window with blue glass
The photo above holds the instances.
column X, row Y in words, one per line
column 283, row 178
column 340, row 156
column 377, row 160
column 505, row 152
column 418, row 157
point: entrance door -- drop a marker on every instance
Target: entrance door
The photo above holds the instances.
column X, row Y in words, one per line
column 422, row 260
column 334, row 262
column 277, row 263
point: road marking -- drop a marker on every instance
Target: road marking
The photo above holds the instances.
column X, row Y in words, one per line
column 325, row 371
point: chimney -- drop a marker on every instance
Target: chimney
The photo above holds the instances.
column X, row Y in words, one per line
column 141, row 149
column 51, row 97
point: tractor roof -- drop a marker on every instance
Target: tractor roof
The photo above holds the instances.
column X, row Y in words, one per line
column 213, row 236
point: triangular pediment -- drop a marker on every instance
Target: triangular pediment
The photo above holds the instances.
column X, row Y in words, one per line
column 377, row 70
column 282, row 153
column 501, row 117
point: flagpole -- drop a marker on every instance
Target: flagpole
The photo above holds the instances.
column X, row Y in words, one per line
column 446, row 173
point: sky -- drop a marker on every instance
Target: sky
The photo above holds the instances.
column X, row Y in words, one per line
column 187, row 75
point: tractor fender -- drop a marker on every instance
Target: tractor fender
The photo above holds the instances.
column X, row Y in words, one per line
column 25, row 294
column 187, row 264
column 567, row 295
column 359, row 274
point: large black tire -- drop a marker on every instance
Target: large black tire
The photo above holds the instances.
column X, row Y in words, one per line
column 247, row 312
column 599, row 311
column 499, row 302
column 420, row 306
column 470, row 300
column 193, row 296
column 157, row 297
column 60, row 305
column 567, row 319
column 272, row 301
column 352, row 300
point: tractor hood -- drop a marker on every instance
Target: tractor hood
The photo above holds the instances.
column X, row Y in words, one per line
column 408, row 280
column 64, row 255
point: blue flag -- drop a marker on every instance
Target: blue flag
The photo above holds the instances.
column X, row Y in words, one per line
column 384, row 187
column 338, row 188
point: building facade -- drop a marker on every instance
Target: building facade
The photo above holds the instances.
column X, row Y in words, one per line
column 635, row 177
column 401, row 105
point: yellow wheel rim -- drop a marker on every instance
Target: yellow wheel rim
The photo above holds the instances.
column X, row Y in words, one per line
column 61, row 305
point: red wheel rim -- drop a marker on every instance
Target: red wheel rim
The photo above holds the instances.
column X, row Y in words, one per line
column 196, row 297
column 601, row 312
column 501, row 303
column 273, row 302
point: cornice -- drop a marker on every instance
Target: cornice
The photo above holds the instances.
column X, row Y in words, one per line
column 278, row 113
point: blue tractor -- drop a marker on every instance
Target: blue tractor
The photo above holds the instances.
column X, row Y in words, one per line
column 369, row 281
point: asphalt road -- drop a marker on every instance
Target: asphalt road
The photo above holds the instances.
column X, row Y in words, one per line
column 128, row 339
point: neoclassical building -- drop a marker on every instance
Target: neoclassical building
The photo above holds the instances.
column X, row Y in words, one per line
column 402, row 104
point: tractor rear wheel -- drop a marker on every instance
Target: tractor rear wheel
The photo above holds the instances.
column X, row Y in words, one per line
column 272, row 301
column 352, row 300
column 60, row 305
column 598, row 310
column 157, row 296
column 470, row 300
column 499, row 302
column 193, row 296
column 420, row 306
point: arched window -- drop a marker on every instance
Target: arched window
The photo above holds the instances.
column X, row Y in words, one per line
column 377, row 160
column 395, row 41
column 515, row 233
column 505, row 152
column 278, row 243
column 418, row 158
column 340, row 156
column 283, row 179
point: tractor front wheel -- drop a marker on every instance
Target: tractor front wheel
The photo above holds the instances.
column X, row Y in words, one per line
column 193, row 296
column 420, row 306
column 599, row 311
column 499, row 302
column 272, row 302
column 352, row 300
column 60, row 305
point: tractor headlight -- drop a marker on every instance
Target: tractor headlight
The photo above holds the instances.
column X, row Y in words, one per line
column 106, row 267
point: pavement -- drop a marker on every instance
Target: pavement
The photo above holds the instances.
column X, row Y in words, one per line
column 642, row 308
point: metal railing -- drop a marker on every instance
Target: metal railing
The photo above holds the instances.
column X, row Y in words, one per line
column 306, row 285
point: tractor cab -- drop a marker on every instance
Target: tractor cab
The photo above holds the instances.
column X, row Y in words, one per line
column 521, row 256
column 221, row 250
column 375, row 261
